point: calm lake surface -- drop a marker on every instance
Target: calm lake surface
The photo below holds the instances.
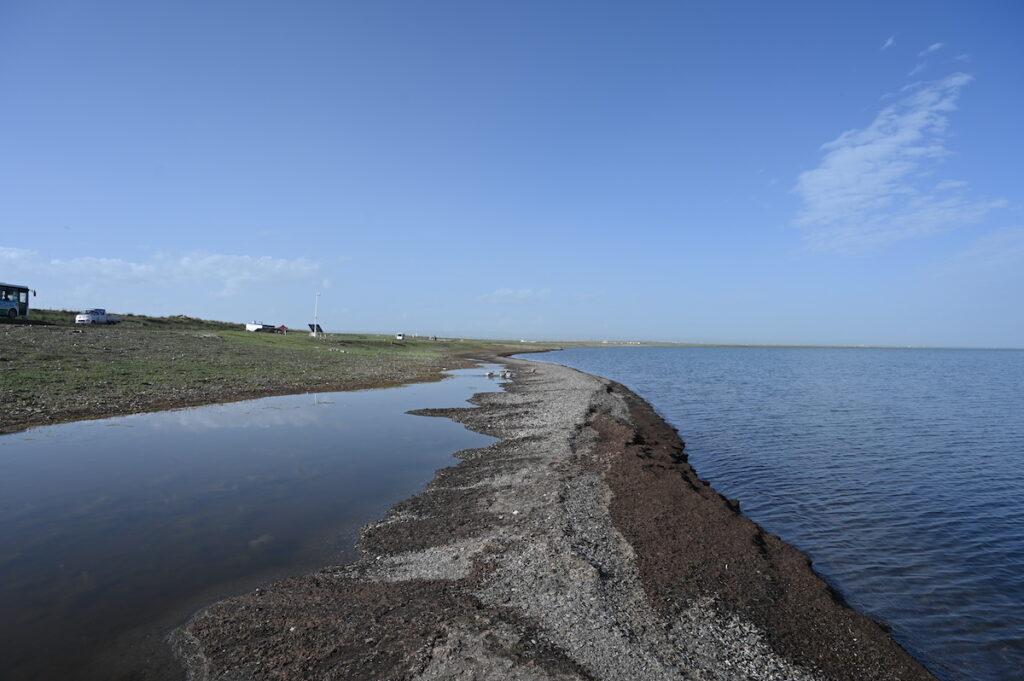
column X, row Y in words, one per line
column 114, row 531
column 900, row 472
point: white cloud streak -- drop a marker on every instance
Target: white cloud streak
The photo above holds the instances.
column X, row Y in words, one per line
column 889, row 42
column 1002, row 248
column 872, row 186
column 12, row 258
column 922, row 65
column 226, row 275
column 509, row 296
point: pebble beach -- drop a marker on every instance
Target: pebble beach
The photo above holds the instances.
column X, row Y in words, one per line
column 581, row 545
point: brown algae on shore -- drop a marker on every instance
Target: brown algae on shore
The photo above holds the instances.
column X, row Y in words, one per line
column 580, row 546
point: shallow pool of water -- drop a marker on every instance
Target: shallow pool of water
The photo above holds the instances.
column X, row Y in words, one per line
column 110, row 526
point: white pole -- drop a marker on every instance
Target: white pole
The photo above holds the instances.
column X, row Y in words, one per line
column 316, row 307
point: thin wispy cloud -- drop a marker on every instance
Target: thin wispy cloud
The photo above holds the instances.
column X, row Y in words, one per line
column 875, row 185
column 510, row 296
column 11, row 258
column 996, row 250
column 224, row 275
column 588, row 297
column 922, row 65
column 236, row 272
column 889, row 42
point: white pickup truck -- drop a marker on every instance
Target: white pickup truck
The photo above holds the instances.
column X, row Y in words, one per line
column 96, row 316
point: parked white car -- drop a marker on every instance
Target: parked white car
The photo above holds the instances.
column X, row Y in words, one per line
column 96, row 316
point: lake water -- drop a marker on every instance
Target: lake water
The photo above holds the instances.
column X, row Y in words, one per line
column 900, row 472
column 113, row 531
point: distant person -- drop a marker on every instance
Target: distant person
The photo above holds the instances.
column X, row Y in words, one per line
column 5, row 296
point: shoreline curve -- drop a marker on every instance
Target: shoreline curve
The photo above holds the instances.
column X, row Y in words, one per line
column 581, row 545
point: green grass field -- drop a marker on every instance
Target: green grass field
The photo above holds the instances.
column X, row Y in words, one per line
column 53, row 371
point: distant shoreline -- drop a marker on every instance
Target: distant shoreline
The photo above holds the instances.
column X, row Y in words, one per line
column 56, row 372
column 652, row 344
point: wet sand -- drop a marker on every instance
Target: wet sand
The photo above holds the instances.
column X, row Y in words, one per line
column 580, row 546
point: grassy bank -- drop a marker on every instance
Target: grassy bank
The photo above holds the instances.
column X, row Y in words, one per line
column 52, row 371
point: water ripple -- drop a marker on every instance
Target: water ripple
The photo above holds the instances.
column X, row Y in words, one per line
column 901, row 473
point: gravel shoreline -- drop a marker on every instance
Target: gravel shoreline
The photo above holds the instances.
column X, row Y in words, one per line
column 579, row 546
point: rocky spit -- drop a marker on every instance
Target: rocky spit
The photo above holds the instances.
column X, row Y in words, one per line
column 582, row 545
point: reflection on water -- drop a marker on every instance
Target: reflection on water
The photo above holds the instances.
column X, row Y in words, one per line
column 108, row 525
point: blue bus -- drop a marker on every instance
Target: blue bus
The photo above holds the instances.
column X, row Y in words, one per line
column 14, row 300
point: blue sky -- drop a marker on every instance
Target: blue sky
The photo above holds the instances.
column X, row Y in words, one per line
column 783, row 172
